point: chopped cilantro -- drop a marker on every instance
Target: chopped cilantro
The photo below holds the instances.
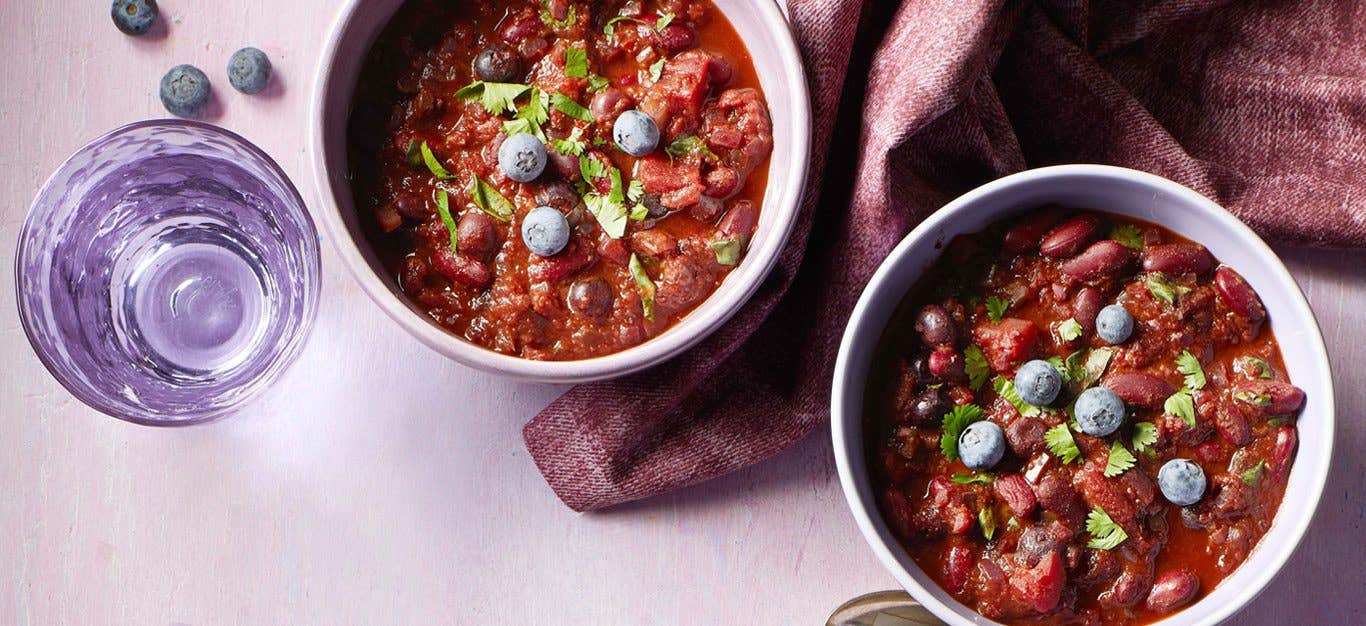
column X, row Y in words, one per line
column 1006, row 389
column 529, row 116
column 664, row 20
column 1107, row 535
column 727, row 251
column 1253, row 475
column 487, row 198
column 572, row 145
column 997, row 307
column 973, row 479
column 656, row 69
column 1187, row 364
column 591, row 168
column 597, row 83
column 554, row 24
column 988, row 521
column 610, row 210
column 638, row 213
column 433, row 164
column 976, row 365
column 1129, row 235
column 1182, row 405
column 1060, row 442
column 443, row 207
column 1069, row 330
column 610, row 28
column 690, row 145
column 645, row 286
column 635, row 191
column 954, row 422
column 1253, row 366
column 496, row 97
column 1253, row 398
column 568, row 106
column 1097, row 361
column 1163, row 289
column 575, row 63
column 1119, row 461
column 414, row 154
column 1145, row 435
column 1277, row 422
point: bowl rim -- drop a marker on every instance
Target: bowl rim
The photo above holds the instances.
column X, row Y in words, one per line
column 283, row 359
column 705, row 319
column 866, row 515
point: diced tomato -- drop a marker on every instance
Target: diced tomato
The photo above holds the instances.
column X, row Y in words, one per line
column 1040, row 587
column 1007, row 343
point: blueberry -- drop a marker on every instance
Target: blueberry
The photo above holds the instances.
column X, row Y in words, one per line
column 1182, row 482
column 249, row 70
column 134, row 17
column 522, row 157
column 982, row 445
column 184, row 90
column 635, row 133
column 497, row 63
column 545, row 231
column 1114, row 324
column 1099, row 411
column 1038, row 382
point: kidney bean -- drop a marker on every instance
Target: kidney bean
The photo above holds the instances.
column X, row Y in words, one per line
column 1127, row 589
column 719, row 71
column 928, row 407
column 1056, row 495
column 958, row 564
column 1015, row 491
column 388, row 219
column 1040, row 587
column 461, row 269
column 1177, row 258
column 1237, row 295
column 1069, row 237
column 947, row 364
column 1103, row 258
column 1172, row 590
column 654, row 243
column 1139, row 388
column 497, row 63
column 1209, row 451
column 720, row 182
column 935, row 325
column 592, row 298
column 1085, row 306
column 607, row 104
column 1232, row 426
column 1026, row 232
column 550, row 269
column 1283, row 452
column 558, row 195
column 1025, row 436
column 476, row 234
column 740, row 221
column 677, row 38
column 614, row 250
column 414, row 275
column 1268, row 397
column 522, row 26
column 411, row 206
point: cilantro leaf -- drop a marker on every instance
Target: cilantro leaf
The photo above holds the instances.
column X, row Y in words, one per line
column 554, row 24
column 495, row 97
column 638, row 213
column 635, row 191
column 591, row 168
column 1253, row 366
column 610, row 28
column 572, row 145
column 1181, row 404
column 1253, row 398
column 953, row 424
column 1097, row 361
column 1128, row 235
column 976, row 365
column 1253, row 475
column 1069, row 330
column 690, row 145
column 575, row 63
column 1145, row 435
column 443, row 207
column 973, row 479
column 988, row 521
column 645, row 286
column 597, row 83
column 664, row 20
column 414, row 154
column 1120, row 460
column 727, row 251
column 487, row 198
column 656, row 69
column 1187, row 364
column 1060, row 442
column 433, row 164
column 997, row 307
column 568, row 106
column 1006, row 389
column 610, row 209
column 530, row 116
column 1107, row 535
column 1163, row 289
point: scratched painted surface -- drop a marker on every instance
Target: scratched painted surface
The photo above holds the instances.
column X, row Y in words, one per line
column 380, row 483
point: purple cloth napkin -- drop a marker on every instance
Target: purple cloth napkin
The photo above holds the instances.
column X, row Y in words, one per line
column 1260, row 106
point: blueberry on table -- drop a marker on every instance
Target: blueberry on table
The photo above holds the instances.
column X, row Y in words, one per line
column 982, row 445
column 134, row 17
column 249, row 70
column 497, row 63
column 635, row 133
column 545, row 231
column 1114, row 324
column 522, row 157
column 1099, row 411
column 1182, row 482
column 1038, row 382
column 184, row 90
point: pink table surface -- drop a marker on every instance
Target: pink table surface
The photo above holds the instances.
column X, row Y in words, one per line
column 380, row 483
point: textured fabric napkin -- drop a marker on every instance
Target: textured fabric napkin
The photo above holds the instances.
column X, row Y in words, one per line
column 1258, row 105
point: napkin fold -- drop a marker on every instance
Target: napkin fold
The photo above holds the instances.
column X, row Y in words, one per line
column 1260, row 106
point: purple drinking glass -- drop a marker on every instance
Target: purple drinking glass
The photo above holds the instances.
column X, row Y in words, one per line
column 167, row 272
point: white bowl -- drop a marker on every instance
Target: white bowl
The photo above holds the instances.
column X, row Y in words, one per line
column 765, row 32
column 1125, row 192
